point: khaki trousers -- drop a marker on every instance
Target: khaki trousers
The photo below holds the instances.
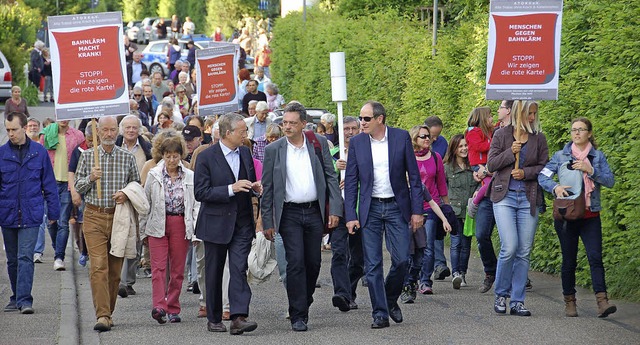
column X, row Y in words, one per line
column 105, row 269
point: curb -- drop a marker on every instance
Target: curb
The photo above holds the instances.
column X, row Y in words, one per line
column 68, row 333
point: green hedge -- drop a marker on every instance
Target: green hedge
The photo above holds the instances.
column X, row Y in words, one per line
column 389, row 59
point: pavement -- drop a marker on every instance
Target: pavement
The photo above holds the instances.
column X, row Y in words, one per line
column 64, row 312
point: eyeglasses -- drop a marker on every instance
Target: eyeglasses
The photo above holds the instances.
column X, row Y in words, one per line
column 578, row 130
column 424, row 137
column 137, row 95
column 365, row 119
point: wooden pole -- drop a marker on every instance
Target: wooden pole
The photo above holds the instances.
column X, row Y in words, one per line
column 96, row 159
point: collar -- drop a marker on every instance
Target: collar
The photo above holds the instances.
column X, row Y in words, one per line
column 304, row 144
column 124, row 143
column 226, row 150
column 385, row 138
column 165, row 173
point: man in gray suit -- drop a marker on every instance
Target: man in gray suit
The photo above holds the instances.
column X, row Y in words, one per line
column 297, row 182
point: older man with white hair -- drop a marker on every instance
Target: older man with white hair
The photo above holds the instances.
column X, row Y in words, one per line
column 116, row 169
column 257, row 124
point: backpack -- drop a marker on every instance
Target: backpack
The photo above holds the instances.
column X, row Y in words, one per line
column 572, row 207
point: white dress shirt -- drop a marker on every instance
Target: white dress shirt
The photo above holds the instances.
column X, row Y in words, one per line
column 380, row 156
column 233, row 159
column 300, row 185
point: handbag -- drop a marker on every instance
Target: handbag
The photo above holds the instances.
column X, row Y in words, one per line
column 572, row 207
column 469, row 229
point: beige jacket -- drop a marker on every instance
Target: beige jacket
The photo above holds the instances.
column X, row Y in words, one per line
column 124, row 232
column 152, row 223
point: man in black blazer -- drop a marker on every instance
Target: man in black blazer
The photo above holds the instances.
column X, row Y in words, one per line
column 225, row 181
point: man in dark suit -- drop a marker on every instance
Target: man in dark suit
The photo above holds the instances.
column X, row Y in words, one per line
column 134, row 67
column 380, row 159
column 225, row 181
column 146, row 104
column 297, row 184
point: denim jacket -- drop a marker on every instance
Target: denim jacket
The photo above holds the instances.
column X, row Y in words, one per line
column 602, row 174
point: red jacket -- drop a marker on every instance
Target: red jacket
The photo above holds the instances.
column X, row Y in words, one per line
column 479, row 145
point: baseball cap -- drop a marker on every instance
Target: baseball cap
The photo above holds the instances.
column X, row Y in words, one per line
column 190, row 132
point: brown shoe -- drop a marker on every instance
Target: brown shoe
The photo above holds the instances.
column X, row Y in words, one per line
column 240, row 325
column 226, row 316
column 216, row 327
column 604, row 308
column 102, row 325
column 202, row 312
column 570, row 308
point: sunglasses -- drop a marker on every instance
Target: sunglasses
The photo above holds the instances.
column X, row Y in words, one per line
column 424, row 136
column 137, row 95
column 365, row 119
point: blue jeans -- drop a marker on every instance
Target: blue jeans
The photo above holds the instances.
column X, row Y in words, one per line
column 590, row 230
column 301, row 230
column 440, row 259
column 517, row 228
column 281, row 258
column 385, row 218
column 19, row 246
column 460, row 250
column 485, row 222
column 41, row 237
column 59, row 231
column 428, row 260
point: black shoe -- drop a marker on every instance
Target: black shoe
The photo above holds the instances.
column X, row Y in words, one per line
column 341, row 303
column 395, row 314
column 500, row 305
column 159, row 315
column 27, row 310
column 441, row 272
column 379, row 322
column 122, row 292
column 353, row 305
column 11, row 307
column 520, row 310
column 318, row 285
column 528, row 286
column 130, row 290
column 196, row 288
column 364, row 283
column 216, row 327
column 299, row 326
column 487, row 283
column 240, row 325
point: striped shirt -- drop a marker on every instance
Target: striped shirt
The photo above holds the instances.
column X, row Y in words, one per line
column 118, row 169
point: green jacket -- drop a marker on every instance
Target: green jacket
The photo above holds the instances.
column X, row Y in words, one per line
column 461, row 186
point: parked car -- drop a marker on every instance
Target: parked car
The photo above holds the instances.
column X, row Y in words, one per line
column 5, row 78
column 153, row 34
column 131, row 30
column 145, row 30
column 313, row 117
column 154, row 56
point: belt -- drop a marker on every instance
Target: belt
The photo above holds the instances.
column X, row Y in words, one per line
column 384, row 200
column 302, row 204
column 107, row 210
column 174, row 214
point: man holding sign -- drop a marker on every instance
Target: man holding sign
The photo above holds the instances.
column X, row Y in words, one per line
column 117, row 167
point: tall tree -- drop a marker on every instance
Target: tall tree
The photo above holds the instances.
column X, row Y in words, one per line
column 226, row 13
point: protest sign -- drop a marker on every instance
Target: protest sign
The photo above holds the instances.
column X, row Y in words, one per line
column 523, row 57
column 217, row 75
column 88, row 65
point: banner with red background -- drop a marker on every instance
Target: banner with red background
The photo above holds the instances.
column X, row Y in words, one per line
column 217, row 79
column 523, row 58
column 88, row 65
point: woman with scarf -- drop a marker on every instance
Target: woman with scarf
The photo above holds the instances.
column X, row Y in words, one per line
column 581, row 155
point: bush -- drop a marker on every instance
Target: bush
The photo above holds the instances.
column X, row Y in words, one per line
column 388, row 58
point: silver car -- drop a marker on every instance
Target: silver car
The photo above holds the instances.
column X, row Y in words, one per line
column 5, row 78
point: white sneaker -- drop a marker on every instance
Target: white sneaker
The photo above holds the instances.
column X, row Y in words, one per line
column 37, row 258
column 464, row 280
column 456, row 281
column 58, row 265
